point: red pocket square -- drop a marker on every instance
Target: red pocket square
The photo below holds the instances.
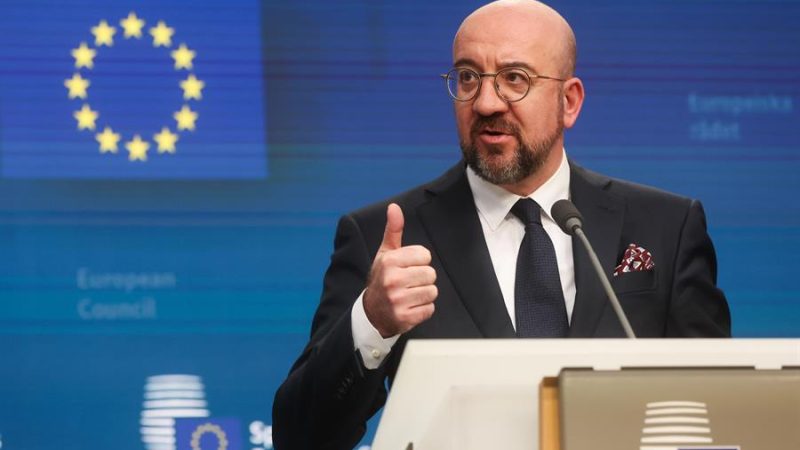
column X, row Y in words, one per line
column 635, row 259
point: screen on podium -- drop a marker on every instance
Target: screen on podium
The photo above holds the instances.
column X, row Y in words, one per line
column 680, row 409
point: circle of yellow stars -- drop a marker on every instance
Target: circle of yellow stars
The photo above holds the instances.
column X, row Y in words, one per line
column 78, row 87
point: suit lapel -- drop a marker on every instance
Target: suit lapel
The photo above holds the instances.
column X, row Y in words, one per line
column 603, row 215
column 452, row 222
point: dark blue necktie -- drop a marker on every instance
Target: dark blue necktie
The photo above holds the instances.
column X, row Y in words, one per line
column 538, row 298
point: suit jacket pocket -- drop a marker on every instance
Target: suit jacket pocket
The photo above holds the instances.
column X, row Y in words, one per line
column 634, row 281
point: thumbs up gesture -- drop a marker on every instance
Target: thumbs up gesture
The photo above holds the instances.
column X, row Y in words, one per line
column 400, row 289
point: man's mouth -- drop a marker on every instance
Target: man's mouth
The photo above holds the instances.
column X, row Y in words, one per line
column 494, row 136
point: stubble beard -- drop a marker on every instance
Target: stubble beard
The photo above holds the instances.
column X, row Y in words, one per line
column 528, row 157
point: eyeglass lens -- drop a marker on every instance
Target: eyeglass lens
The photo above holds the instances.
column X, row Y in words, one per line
column 512, row 84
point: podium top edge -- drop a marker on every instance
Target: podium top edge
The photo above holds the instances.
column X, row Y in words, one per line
column 593, row 345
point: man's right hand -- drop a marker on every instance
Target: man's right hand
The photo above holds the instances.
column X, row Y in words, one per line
column 400, row 290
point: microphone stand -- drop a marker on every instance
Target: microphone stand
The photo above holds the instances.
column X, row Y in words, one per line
column 606, row 285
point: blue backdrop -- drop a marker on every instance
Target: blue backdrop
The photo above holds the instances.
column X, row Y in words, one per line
column 169, row 192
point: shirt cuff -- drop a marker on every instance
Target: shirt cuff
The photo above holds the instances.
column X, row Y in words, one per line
column 366, row 339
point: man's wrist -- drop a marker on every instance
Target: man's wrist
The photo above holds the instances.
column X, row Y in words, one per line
column 367, row 339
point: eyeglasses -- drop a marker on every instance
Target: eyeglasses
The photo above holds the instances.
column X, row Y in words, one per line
column 512, row 84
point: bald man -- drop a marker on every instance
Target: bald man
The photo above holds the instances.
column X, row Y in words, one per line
column 442, row 260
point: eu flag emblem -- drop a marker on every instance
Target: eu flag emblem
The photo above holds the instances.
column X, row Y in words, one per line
column 150, row 90
column 208, row 434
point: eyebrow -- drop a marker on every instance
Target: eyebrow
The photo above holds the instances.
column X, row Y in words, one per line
column 471, row 63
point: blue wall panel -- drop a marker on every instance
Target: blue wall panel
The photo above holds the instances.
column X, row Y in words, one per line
column 208, row 261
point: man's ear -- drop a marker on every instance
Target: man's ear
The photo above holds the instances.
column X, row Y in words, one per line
column 573, row 100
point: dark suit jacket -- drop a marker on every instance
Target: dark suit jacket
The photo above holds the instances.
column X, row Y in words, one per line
column 328, row 395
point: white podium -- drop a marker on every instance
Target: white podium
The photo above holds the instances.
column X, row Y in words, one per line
column 483, row 394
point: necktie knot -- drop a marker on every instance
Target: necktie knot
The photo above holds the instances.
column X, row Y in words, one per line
column 528, row 211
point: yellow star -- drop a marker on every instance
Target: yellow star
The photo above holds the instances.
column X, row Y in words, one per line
column 192, row 87
column 162, row 35
column 183, row 57
column 185, row 118
column 137, row 149
column 103, row 34
column 166, row 140
column 132, row 25
column 108, row 140
column 77, row 86
column 84, row 56
column 85, row 118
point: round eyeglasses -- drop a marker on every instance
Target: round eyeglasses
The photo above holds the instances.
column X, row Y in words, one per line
column 512, row 84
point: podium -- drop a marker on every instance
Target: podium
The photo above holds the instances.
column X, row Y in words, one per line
column 484, row 394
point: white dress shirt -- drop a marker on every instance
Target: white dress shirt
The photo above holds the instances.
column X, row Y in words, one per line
column 503, row 233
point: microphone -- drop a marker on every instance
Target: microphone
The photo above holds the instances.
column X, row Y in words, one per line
column 570, row 220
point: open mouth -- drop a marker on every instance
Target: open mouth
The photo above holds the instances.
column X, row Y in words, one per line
column 493, row 132
column 494, row 137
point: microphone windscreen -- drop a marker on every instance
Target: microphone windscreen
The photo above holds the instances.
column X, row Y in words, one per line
column 566, row 216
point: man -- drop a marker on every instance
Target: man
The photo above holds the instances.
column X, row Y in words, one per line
column 453, row 258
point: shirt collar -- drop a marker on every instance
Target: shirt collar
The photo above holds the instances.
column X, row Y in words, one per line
column 494, row 202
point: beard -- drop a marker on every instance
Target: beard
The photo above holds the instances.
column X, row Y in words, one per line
column 528, row 157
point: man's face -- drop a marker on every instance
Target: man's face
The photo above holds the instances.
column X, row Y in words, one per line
column 505, row 142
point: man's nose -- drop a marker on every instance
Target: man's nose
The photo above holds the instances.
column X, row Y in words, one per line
column 488, row 102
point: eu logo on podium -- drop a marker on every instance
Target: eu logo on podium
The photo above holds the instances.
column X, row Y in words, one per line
column 208, row 433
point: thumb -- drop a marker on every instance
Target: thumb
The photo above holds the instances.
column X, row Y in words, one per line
column 393, row 235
